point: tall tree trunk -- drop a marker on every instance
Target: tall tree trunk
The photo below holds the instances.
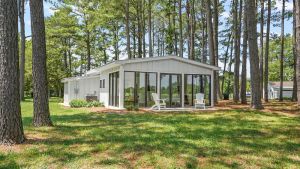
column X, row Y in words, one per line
column 144, row 28
column 192, row 31
column 298, row 47
column 211, row 47
column 158, row 43
column 23, row 44
column 229, row 67
column 128, row 30
column 225, row 62
column 139, row 34
column 244, row 64
column 216, row 27
column 163, row 48
column 175, row 30
column 294, row 96
column 282, row 51
column 134, row 40
column 66, row 61
column 188, row 15
column 41, row 114
column 70, row 57
column 261, row 64
column 116, row 41
column 180, row 29
column 253, row 53
column 216, row 42
column 236, row 89
column 266, row 72
column 150, row 28
column 204, row 36
column 11, row 127
column 88, row 47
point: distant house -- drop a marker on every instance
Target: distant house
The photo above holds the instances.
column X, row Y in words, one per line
column 125, row 83
column 274, row 90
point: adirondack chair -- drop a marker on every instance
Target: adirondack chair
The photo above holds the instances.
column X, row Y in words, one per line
column 199, row 101
column 159, row 103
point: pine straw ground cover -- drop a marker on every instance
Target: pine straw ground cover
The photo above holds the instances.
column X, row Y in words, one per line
column 234, row 137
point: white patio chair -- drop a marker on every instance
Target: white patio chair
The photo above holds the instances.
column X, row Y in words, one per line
column 200, row 101
column 159, row 103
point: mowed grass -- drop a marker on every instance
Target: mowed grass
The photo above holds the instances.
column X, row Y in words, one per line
column 220, row 139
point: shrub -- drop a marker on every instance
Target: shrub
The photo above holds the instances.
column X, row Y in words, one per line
column 132, row 108
column 77, row 103
column 226, row 96
column 94, row 104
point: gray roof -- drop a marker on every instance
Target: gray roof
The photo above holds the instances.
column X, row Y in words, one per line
column 97, row 71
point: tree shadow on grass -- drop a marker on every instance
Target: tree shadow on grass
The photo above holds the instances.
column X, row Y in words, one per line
column 7, row 162
column 172, row 134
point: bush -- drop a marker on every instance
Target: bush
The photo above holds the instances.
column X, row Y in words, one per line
column 226, row 96
column 132, row 108
column 94, row 104
column 77, row 103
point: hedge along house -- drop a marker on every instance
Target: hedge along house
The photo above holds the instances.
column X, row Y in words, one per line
column 125, row 83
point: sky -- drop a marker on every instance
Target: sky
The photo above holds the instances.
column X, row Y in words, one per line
column 48, row 11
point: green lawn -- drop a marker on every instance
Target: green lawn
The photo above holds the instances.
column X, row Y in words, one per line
column 222, row 139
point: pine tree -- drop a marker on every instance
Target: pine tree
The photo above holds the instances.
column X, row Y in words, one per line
column 11, row 127
column 253, row 52
column 41, row 114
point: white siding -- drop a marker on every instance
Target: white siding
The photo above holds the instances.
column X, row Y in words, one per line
column 66, row 93
column 79, row 89
column 104, row 92
column 285, row 93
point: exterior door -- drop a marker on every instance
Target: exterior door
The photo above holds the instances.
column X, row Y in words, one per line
column 114, row 89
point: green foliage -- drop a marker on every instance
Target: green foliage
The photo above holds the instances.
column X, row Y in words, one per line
column 132, row 108
column 94, row 104
column 274, row 60
column 77, row 103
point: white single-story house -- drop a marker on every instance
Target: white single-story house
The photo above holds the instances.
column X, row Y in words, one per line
column 274, row 90
column 126, row 83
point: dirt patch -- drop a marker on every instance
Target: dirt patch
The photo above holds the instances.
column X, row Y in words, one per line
column 284, row 108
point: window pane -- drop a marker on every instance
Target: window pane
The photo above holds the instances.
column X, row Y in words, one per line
column 207, row 87
column 141, row 89
column 176, row 91
column 116, row 89
column 196, row 85
column 188, row 90
column 151, row 88
column 129, row 89
column 165, row 88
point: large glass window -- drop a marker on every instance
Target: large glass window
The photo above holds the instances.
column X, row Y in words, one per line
column 141, row 89
column 188, row 90
column 206, row 81
column 196, row 84
column 165, row 88
column 171, row 89
column 129, row 95
column 138, row 88
column 151, row 82
column 114, row 89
